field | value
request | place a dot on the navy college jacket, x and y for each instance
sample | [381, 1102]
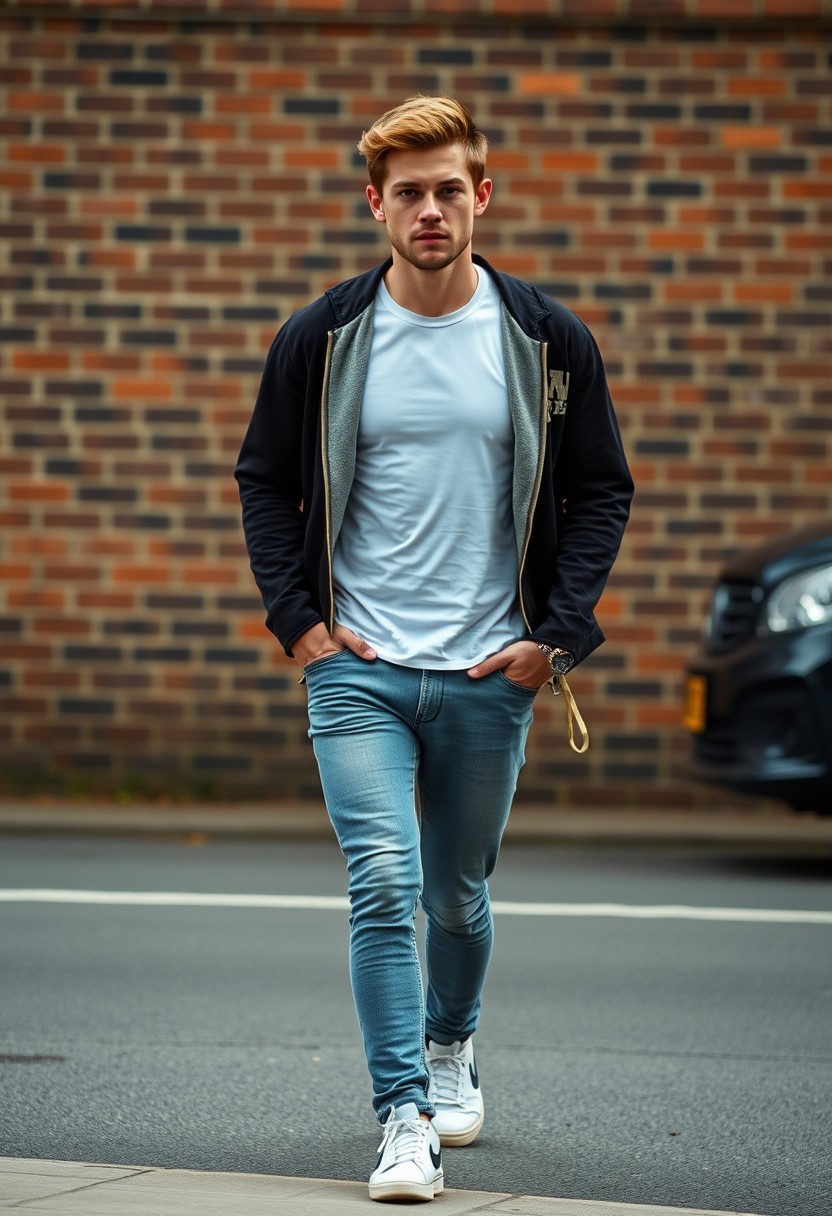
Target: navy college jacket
[571, 487]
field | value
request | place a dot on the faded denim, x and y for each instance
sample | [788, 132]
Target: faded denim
[388, 739]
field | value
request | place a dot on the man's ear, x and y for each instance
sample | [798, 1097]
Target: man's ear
[376, 204]
[482, 194]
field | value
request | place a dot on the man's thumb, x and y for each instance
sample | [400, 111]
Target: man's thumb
[485, 668]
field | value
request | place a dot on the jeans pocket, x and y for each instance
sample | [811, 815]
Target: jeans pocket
[531, 693]
[324, 660]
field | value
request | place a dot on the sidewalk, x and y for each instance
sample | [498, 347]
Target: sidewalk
[765, 826]
[64, 1188]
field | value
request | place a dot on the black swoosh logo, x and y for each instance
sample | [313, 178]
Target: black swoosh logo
[475, 1079]
[436, 1158]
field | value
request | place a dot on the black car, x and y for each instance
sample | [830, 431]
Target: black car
[759, 690]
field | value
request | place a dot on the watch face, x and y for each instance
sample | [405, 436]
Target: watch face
[560, 661]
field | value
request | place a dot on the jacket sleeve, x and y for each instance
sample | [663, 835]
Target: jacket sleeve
[593, 490]
[269, 475]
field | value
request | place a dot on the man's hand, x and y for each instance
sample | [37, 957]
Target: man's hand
[318, 641]
[521, 662]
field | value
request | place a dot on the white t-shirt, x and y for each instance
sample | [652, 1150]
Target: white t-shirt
[425, 566]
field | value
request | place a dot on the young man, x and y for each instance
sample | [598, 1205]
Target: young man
[434, 492]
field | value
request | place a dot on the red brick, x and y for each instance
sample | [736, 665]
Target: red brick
[40, 154]
[148, 398]
[544, 83]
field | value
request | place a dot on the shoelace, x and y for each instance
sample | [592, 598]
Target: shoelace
[447, 1075]
[405, 1138]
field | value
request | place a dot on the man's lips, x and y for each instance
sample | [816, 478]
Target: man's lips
[431, 236]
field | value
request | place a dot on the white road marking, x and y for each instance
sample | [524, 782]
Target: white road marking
[336, 903]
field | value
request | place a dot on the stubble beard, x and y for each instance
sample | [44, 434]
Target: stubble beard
[433, 259]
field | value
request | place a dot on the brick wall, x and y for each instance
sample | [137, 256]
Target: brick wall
[174, 184]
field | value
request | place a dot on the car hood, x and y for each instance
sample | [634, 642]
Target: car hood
[783, 555]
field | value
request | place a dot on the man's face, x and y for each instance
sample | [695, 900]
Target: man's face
[428, 203]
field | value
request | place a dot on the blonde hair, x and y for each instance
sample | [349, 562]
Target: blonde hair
[423, 122]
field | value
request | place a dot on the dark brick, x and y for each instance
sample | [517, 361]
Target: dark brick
[148, 337]
[132, 628]
[257, 738]
[448, 55]
[104, 51]
[652, 111]
[630, 772]
[86, 706]
[74, 388]
[737, 369]
[624, 689]
[777, 164]
[214, 235]
[184, 207]
[107, 493]
[73, 283]
[138, 130]
[162, 654]
[805, 319]
[612, 136]
[176, 602]
[104, 415]
[693, 527]
[138, 76]
[64, 468]
[733, 317]
[261, 312]
[249, 683]
[206, 469]
[175, 105]
[622, 291]
[111, 310]
[311, 105]
[145, 521]
[200, 629]
[164, 417]
[674, 189]
[231, 655]
[727, 111]
[635, 743]
[663, 447]
[91, 654]
[142, 232]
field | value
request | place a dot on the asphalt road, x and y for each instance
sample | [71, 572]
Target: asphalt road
[665, 1061]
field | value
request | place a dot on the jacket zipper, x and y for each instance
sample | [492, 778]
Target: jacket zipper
[544, 407]
[330, 339]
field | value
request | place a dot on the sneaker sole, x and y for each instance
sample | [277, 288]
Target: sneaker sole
[460, 1139]
[390, 1191]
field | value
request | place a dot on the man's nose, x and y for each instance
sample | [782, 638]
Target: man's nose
[430, 208]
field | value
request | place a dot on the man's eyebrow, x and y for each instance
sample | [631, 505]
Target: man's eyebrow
[448, 181]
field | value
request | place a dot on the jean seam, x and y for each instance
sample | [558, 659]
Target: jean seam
[422, 1048]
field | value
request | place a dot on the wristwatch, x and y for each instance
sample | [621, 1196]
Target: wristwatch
[560, 660]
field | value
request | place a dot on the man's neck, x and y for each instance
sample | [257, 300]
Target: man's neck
[432, 293]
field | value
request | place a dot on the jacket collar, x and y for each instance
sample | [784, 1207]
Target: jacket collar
[524, 302]
[351, 297]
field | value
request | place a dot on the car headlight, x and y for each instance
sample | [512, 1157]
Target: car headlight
[801, 601]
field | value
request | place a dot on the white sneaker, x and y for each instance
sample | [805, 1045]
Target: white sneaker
[454, 1090]
[409, 1164]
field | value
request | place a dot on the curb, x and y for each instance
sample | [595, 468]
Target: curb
[528, 824]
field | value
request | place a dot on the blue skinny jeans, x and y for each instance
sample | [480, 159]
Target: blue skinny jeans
[418, 769]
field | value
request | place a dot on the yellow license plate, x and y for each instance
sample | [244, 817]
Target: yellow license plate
[695, 714]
